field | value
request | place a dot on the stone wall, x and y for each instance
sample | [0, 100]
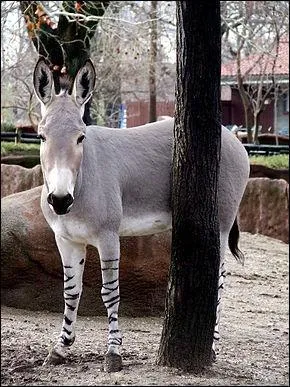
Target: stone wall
[15, 178]
[31, 270]
[265, 208]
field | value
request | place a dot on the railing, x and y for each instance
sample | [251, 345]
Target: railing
[252, 149]
[266, 150]
[23, 137]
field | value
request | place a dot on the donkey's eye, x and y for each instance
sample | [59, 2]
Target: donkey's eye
[41, 137]
[81, 138]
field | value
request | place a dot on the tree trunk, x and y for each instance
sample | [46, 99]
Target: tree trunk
[191, 299]
[276, 114]
[248, 114]
[249, 122]
[256, 126]
[152, 63]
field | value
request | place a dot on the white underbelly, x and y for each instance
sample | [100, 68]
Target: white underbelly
[146, 224]
[80, 232]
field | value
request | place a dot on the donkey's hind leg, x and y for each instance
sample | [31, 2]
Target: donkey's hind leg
[73, 260]
[222, 274]
[108, 245]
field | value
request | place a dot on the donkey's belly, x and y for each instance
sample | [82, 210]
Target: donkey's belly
[145, 224]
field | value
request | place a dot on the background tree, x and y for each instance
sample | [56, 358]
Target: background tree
[17, 62]
[252, 33]
[152, 62]
[191, 298]
[123, 56]
[66, 45]
[119, 48]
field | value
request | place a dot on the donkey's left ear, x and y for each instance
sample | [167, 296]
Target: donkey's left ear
[84, 83]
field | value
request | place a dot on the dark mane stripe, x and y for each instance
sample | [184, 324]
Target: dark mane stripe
[65, 83]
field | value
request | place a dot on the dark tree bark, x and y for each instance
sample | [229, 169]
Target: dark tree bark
[191, 299]
[152, 63]
[67, 45]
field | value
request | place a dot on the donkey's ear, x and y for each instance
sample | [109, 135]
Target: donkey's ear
[43, 82]
[84, 83]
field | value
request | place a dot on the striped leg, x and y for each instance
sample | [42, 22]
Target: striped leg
[73, 260]
[222, 274]
[109, 251]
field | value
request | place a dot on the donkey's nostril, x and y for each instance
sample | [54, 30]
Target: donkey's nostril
[60, 203]
[50, 198]
[68, 199]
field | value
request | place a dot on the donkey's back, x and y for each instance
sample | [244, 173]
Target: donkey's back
[135, 165]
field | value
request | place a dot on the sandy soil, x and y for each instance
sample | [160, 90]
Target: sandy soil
[254, 329]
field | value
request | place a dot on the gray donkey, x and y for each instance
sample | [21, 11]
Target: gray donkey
[102, 183]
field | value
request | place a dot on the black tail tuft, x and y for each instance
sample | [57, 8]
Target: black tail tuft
[233, 243]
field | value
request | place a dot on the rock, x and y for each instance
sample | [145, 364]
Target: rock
[264, 208]
[32, 272]
[31, 269]
[15, 178]
[26, 161]
[258, 170]
[270, 139]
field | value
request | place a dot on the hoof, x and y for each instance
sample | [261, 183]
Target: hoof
[113, 362]
[54, 358]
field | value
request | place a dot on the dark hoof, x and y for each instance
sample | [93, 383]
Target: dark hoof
[113, 362]
[54, 358]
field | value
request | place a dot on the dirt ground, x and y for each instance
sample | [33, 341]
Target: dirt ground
[253, 349]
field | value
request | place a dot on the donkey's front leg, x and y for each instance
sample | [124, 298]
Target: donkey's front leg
[108, 245]
[73, 259]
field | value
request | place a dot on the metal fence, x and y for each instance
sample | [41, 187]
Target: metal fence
[252, 149]
[266, 150]
[30, 138]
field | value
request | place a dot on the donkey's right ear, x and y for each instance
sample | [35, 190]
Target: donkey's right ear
[43, 82]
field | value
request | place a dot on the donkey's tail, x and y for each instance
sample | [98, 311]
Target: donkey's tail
[233, 243]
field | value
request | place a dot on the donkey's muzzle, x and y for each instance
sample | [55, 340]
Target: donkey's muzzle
[60, 204]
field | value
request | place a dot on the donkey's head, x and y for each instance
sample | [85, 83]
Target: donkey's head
[62, 132]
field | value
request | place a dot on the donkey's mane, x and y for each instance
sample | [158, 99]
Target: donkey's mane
[65, 83]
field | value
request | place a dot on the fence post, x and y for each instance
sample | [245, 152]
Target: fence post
[18, 135]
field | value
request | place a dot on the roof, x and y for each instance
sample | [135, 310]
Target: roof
[255, 64]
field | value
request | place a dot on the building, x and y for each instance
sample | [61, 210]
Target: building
[255, 70]
[135, 92]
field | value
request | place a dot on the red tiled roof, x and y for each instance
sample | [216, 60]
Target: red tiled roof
[255, 65]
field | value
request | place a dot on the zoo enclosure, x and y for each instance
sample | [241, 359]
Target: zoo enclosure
[135, 113]
[252, 149]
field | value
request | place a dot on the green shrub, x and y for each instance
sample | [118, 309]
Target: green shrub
[274, 161]
[7, 127]
[10, 148]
